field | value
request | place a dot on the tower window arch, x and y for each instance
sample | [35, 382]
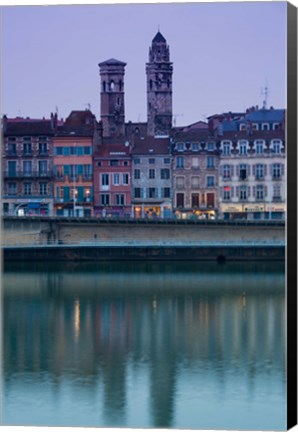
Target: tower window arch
[120, 85]
[150, 84]
[104, 86]
[112, 86]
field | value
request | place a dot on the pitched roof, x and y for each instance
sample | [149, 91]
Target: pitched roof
[192, 135]
[265, 115]
[20, 126]
[78, 123]
[111, 62]
[111, 149]
[158, 38]
[151, 146]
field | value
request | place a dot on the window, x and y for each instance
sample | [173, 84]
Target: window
[27, 188]
[195, 200]
[180, 146]
[265, 126]
[137, 161]
[226, 171]
[275, 126]
[210, 181]
[87, 171]
[151, 161]
[42, 148]
[119, 199]
[43, 188]
[125, 179]
[259, 192]
[180, 162]
[179, 182]
[259, 171]
[210, 146]
[152, 193]
[243, 172]
[210, 161]
[227, 193]
[27, 149]
[165, 173]
[114, 162]
[276, 192]
[166, 160]
[195, 146]
[12, 188]
[195, 162]
[105, 180]
[104, 199]
[12, 168]
[276, 171]
[138, 193]
[243, 193]
[243, 147]
[259, 147]
[42, 168]
[12, 148]
[195, 182]
[125, 163]
[152, 173]
[116, 179]
[59, 151]
[72, 151]
[87, 150]
[27, 168]
[166, 192]
[137, 174]
[276, 147]
[180, 200]
[210, 200]
[226, 148]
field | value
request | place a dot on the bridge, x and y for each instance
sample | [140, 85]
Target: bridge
[41, 238]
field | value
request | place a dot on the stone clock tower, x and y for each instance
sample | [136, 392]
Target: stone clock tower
[159, 71]
[112, 97]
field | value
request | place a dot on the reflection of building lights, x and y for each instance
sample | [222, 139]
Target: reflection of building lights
[77, 318]
[243, 299]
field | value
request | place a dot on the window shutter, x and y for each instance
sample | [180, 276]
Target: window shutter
[91, 193]
[65, 151]
[66, 169]
[248, 169]
[79, 169]
[254, 191]
[237, 191]
[232, 191]
[265, 169]
[265, 191]
[232, 169]
[57, 191]
[221, 170]
[66, 193]
[254, 170]
[80, 150]
[238, 170]
[248, 191]
[271, 169]
[221, 192]
[282, 166]
[80, 193]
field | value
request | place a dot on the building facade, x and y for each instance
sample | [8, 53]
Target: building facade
[252, 172]
[151, 178]
[27, 166]
[112, 178]
[195, 174]
[73, 165]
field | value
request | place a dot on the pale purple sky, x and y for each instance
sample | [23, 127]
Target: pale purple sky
[223, 54]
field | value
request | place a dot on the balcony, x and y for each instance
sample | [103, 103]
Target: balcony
[19, 174]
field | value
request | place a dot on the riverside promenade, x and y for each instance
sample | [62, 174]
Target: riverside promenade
[93, 239]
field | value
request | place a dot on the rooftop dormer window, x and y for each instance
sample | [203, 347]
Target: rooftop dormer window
[242, 147]
[180, 146]
[195, 146]
[210, 146]
[259, 147]
[265, 126]
[226, 148]
[276, 146]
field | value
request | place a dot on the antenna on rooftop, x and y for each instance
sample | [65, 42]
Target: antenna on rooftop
[265, 93]
[56, 110]
[175, 118]
[88, 105]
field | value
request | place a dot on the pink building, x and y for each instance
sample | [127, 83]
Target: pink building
[112, 178]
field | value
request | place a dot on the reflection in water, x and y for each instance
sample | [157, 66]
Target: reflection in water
[145, 345]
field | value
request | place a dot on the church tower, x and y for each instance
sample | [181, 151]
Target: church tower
[112, 97]
[159, 72]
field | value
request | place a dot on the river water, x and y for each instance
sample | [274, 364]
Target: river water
[145, 345]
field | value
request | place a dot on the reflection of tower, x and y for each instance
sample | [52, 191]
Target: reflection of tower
[163, 366]
[112, 97]
[159, 72]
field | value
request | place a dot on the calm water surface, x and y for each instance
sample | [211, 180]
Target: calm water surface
[142, 345]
